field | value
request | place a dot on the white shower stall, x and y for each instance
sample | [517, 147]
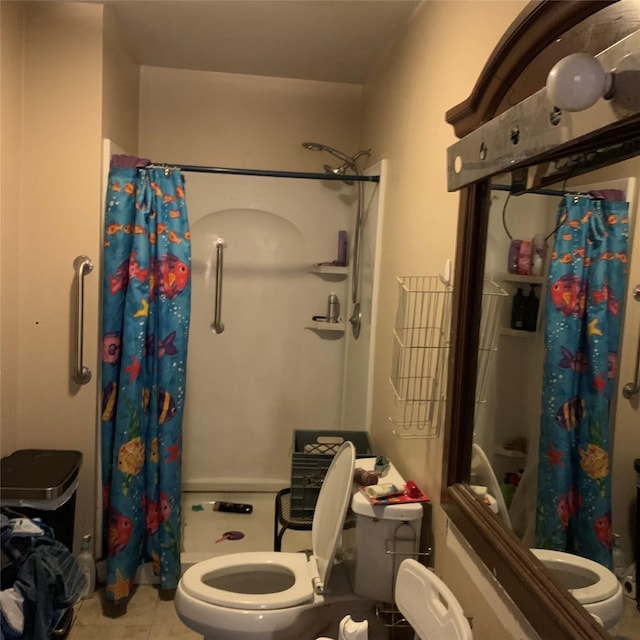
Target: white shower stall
[272, 369]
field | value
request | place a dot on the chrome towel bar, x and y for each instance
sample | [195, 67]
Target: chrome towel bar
[633, 388]
[83, 266]
[217, 326]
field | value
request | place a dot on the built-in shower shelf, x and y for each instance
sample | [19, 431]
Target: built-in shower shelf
[510, 453]
[332, 327]
[330, 270]
[517, 333]
[514, 277]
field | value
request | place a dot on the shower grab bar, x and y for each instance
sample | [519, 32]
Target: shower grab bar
[217, 325]
[83, 266]
[633, 388]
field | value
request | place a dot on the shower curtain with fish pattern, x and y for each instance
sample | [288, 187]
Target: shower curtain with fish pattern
[146, 305]
[584, 308]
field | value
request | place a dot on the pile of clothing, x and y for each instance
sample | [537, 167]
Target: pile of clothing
[41, 579]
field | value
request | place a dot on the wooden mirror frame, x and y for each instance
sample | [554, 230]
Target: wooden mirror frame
[551, 611]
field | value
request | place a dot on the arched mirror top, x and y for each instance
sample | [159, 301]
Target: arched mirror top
[544, 33]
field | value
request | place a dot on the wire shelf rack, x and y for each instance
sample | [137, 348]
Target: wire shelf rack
[420, 352]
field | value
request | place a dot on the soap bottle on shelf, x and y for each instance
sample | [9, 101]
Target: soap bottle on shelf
[88, 567]
[538, 250]
[531, 311]
[333, 308]
[518, 310]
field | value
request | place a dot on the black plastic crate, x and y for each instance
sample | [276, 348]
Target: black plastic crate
[311, 457]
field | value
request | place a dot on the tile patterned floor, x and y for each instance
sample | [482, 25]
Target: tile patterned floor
[628, 628]
[148, 617]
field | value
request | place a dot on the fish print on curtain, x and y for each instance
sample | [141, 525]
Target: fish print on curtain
[146, 306]
[584, 310]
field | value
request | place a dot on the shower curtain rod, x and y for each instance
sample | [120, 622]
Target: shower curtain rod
[265, 173]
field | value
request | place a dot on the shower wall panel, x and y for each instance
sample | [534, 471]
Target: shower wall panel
[266, 374]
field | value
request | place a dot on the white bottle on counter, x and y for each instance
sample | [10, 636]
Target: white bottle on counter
[88, 567]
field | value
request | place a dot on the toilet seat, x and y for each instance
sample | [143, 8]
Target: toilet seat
[280, 580]
[200, 580]
[605, 584]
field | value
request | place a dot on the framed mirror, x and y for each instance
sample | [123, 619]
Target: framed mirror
[545, 33]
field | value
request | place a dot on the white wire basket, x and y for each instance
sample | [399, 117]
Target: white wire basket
[420, 352]
[420, 346]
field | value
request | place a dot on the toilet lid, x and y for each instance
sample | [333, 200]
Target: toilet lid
[331, 510]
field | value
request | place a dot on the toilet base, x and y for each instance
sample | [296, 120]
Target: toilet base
[305, 622]
[310, 627]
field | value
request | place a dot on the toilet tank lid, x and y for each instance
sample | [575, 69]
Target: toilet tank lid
[407, 511]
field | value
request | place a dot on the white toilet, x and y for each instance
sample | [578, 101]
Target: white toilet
[289, 596]
[595, 587]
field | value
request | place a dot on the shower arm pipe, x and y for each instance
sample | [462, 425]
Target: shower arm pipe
[217, 325]
[262, 172]
[357, 249]
[83, 266]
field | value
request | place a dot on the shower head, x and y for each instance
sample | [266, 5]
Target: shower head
[316, 146]
[349, 161]
[341, 170]
[336, 171]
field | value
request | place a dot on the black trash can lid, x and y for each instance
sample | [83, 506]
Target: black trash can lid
[38, 474]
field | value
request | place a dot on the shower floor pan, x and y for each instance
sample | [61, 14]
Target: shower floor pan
[202, 529]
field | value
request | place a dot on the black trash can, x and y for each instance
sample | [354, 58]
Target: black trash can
[42, 483]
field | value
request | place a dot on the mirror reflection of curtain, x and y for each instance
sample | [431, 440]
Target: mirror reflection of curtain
[146, 312]
[585, 297]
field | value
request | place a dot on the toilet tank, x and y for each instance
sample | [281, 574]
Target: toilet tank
[384, 536]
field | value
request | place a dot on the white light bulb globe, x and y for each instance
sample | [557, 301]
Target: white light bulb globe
[577, 82]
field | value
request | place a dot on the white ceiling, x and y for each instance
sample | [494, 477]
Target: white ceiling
[327, 40]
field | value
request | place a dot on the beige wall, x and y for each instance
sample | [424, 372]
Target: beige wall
[11, 59]
[433, 68]
[235, 120]
[55, 110]
[60, 220]
[121, 88]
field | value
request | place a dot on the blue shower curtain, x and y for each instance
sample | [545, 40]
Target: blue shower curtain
[146, 305]
[584, 308]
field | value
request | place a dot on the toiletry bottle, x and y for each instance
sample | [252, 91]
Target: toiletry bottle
[524, 258]
[619, 563]
[518, 310]
[342, 249]
[514, 254]
[531, 311]
[88, 567]
[538, 250]
[364, 477]
[333, 308]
